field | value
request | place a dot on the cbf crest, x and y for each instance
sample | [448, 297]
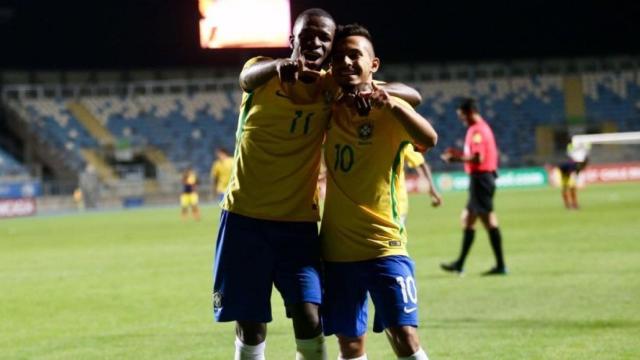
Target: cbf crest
[217, 300]
[365, 131]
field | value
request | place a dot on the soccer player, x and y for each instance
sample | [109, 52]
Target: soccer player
[189, 196]
[480, 158]
[78, 199]
[363, 238]
[414, 160]
[268, 227]
[569, 171]
[220, 173]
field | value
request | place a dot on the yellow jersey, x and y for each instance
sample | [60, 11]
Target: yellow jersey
[364, 157]
[413, 159]
[221, 173]
[189, 182]
[277, 157]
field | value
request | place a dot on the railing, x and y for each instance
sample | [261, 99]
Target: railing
[151, 87]
[227, 79]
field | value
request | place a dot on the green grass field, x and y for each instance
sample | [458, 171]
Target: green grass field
[136, 284]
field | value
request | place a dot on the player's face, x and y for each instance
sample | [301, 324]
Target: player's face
[353, 62]
[311, 40]
[464, 116]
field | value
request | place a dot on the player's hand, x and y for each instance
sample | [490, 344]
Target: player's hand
[349, 98]
[379, 97]
[358, 100]
[451, 154]
[288, 70]
[436, 199]
[446, 156]
[362, 102]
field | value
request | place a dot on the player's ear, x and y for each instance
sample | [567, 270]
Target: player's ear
[291, 39]
[375, 64]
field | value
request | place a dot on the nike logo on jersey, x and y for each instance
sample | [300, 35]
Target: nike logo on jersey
[410, 310]
[279, 93]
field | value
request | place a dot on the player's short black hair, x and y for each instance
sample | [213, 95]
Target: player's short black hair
[354, 29]
[314, 12]
[468, 105]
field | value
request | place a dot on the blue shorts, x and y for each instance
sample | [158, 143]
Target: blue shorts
[389, 280]
[252, 255]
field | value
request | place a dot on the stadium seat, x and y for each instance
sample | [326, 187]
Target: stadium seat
[10, 166]
[189, 126]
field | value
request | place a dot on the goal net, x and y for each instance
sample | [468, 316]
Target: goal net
[612, 156]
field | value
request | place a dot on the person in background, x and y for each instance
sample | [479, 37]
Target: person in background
[221, 173]
[189, 196]
[480, 159]
[78, 199]
[414, 159]
[569, 172]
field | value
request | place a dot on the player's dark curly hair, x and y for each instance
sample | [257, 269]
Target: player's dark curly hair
[315, 12]
[354, 29]
[468, 105]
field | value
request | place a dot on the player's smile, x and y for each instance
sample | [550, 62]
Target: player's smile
[352, 61]
[312, 55]
[313, 41]
[346, 72]
[313, 59]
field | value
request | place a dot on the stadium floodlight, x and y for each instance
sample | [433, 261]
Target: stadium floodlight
[244, 23]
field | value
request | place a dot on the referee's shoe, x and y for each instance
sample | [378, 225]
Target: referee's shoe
[453, 267]
[496, 271]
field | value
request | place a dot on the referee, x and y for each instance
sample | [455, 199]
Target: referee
[480, 158]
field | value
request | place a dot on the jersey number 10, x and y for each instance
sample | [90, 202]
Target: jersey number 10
[344, 157]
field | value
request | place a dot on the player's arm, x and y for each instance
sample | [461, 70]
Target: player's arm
[424, 171]
[257, 74]
[418, 128]
[404, 92]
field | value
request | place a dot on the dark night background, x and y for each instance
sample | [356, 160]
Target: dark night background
[37, 34]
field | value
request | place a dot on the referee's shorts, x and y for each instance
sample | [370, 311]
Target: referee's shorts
[482, 187]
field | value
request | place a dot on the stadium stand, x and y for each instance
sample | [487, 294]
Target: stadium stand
[56, 125]
[184, 127]
[10, 167]
[514, 107]
[613, 97]
[187, 128]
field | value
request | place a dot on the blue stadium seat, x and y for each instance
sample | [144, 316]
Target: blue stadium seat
[10, 166]
[188, 127]
[56, 125]
[513, 107]
[613, 97]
